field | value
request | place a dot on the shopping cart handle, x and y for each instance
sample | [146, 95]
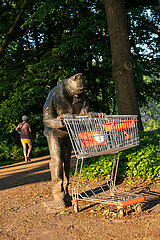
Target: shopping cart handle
[71, 116]
[64, 116]
[87, 115]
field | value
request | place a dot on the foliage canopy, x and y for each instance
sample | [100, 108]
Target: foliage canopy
[56, 39]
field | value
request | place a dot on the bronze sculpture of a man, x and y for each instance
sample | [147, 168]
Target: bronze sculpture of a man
[68, 97]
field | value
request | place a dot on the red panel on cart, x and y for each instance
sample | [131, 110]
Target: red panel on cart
[119, 125]
[90, 139]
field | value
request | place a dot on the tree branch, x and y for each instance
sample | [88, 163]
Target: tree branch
[16, 22]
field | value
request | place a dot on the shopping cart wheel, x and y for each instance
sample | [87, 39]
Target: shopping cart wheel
[138, 208]
[75, 206]
[120, 212]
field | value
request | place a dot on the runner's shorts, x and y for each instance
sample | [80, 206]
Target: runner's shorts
[25, 140]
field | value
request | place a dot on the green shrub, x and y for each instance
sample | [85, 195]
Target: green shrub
[11, 153]
[145, 161]
[39, 152]
[98, 167]
[142, 161]
[151, 124]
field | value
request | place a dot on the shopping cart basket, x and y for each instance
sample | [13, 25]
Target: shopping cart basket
[100, 134]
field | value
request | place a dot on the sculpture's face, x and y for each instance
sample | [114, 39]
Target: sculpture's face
[74, 85]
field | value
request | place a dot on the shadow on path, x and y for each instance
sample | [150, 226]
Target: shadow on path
[152, 196]
[25, 173]
[23, 163]
[37, 170]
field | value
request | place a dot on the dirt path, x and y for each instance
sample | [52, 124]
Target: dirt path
[26, 212]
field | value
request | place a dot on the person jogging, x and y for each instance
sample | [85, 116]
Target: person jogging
[24, 129]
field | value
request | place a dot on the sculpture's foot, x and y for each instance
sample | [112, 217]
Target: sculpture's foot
[60, 204]
[68, 200]
[59, 200]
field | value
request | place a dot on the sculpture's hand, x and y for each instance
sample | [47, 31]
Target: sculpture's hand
[83, 111]
[54, 123]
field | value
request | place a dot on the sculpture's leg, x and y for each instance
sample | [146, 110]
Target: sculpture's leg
[56, 167]
[66, 157]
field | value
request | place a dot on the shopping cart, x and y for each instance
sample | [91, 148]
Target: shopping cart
[100, 134]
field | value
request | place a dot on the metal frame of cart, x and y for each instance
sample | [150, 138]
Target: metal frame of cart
[100, 134]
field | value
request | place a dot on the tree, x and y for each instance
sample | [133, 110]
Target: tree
[122, 66]
[55, 39]
[13, 27]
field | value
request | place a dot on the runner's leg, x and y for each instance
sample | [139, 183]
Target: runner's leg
[29, 148]
[25, 150]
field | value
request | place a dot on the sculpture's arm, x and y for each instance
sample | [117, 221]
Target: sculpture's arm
[50, 115]
[85, 107]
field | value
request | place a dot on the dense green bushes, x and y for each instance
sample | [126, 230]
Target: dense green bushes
[40, 147]
[145, 161]
[142, 161]
[12, 153]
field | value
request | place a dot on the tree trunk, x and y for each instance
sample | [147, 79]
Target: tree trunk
[121, 59]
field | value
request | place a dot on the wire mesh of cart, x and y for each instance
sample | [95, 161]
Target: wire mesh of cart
[100, 134]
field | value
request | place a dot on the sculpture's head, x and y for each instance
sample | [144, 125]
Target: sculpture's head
[74, 85]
